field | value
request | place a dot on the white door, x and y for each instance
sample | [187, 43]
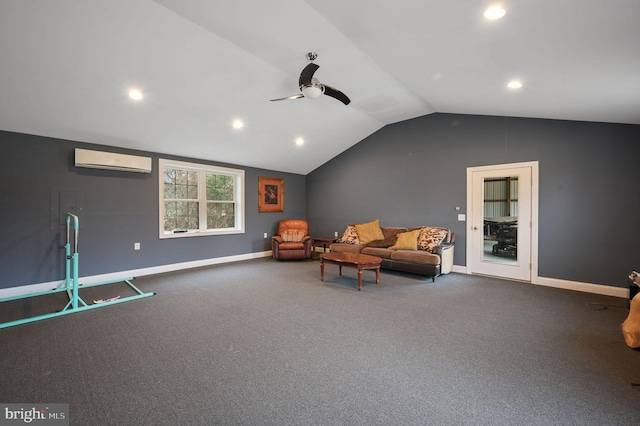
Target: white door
[501, 207]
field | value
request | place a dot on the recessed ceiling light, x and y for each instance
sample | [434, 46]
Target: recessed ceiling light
[299, 141]
[494, 12]
[135, 94]
[514, 85]
[238, 124]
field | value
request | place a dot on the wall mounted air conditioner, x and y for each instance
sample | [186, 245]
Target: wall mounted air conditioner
[112, 161]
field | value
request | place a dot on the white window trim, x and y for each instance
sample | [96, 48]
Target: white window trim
[238, 175]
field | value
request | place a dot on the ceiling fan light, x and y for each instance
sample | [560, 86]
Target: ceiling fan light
[311, 92]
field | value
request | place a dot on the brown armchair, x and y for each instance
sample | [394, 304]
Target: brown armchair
[292, 240]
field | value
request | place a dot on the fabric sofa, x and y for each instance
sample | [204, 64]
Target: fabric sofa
[420, 250]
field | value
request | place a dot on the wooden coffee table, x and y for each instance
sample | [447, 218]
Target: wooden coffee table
[351, 260]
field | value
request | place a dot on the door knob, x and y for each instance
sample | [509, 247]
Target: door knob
[475, 228]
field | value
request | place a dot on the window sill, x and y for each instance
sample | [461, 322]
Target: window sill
[197, 233]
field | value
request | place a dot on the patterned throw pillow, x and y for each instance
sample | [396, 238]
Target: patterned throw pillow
[292, 236]
[430, 238]
[350, 235]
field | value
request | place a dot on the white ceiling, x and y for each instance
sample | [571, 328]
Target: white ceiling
[66, 67]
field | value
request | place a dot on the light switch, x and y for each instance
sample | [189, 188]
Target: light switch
[462, 217]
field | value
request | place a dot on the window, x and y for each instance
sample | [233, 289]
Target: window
[197, 199]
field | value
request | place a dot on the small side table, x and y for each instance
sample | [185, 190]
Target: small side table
[325, 242]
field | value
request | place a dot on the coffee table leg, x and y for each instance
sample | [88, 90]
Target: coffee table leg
[378, 275]
[322, 270]
[340, 269]
[359, 279]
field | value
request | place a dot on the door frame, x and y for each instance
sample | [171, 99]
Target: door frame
[534, 165]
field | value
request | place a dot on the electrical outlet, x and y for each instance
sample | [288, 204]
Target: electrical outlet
[335, 234]
[265, 235]
[136, 246]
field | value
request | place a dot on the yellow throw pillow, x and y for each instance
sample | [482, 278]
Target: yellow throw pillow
[368, 232]
[407, 241]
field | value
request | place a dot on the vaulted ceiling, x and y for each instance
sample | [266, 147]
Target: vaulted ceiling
[66, 68]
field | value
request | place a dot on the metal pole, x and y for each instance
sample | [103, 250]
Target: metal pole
[67, 252]
[74, 299]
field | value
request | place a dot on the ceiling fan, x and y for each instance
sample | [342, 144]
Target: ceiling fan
[311, 86]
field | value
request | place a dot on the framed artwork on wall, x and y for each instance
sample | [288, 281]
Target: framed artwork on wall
[270, 194]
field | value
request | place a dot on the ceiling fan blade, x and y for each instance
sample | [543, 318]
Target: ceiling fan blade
[335, 93]
[307, 74]
[298, 96]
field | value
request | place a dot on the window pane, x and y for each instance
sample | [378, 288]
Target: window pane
[169, 191]
[180, 184]
[220, 215]
[180, 215]
[192, 185]
[169, 175]
[181, 177]
[220, 187]
[170, 183]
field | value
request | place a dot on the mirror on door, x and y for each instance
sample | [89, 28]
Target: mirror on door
[500, 220]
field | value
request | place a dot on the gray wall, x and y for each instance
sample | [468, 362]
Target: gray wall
[118, 209]
[413, 173]
[410, 173]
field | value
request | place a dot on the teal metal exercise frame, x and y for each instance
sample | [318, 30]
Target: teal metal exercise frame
[71, 284]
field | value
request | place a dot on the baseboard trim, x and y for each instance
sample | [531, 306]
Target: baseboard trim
[604, 290]
[6, 293]
[459, 269]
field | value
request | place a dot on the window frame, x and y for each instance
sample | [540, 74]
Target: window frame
[203, 169]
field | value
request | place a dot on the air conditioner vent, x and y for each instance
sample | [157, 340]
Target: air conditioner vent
[109, 160]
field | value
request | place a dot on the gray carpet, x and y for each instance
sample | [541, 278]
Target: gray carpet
[267, 343]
